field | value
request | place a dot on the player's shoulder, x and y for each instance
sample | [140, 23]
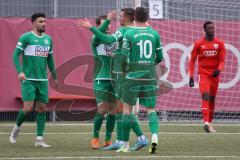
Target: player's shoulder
[199, 41]
[26, 35]
[47, 36]
[216, 39]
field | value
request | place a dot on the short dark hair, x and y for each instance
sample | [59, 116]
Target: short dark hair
[141, 14]
[37, 15]
[129, 12]
[206, 23]
[98, 19]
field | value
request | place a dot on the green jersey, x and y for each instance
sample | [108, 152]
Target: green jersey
[143, 51]
[102, 59]
[115, 37]
[36, 54]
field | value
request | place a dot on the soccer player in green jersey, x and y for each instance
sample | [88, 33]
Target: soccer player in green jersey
[36, 50]
[126, 21]
[103, 85]
[143, 51]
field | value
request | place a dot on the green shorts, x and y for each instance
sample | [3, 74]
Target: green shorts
[146, 91]
[34, 90]
[104, 91]
[118, 84]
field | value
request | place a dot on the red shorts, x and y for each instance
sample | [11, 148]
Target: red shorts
[208, 84]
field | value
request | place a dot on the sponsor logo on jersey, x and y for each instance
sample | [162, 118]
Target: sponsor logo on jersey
[110, 48]
[215, 46]
[203, 46]
[210, 53]
[35, 40]
[41, 51]
[19, 44]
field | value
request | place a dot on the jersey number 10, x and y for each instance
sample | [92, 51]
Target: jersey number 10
[145, 48]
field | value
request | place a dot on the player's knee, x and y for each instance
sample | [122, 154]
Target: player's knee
[102, 111]
[41, 109]
[27, 110]
[149, 110]
[206, 96]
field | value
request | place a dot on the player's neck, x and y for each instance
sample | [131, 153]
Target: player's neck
[140, 24]
[37, 33]
[129, 24]
[209, 38]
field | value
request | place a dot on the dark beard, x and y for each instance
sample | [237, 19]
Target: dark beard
[41, 30]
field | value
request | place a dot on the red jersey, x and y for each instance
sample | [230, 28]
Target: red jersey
[211, 55]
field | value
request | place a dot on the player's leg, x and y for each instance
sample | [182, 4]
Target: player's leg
[117, 85]
[204, 86]
[28, 95]
[40, 107]
[213, 93]
[41, 123]
[110, 123]
[129, 98]
[119, 140]
[148, 99]
[101, 100]
[126, 127]
[111, 114]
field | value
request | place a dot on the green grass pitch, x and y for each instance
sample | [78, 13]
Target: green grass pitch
[72, 141]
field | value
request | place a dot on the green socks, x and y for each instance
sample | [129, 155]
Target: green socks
[153, 122]
[126, 126]
[135, 125]
[98, 119]
[110, 123]
[41, 121]
[119, 119]
[20, 118]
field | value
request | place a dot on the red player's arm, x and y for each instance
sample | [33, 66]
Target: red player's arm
[194, 55]
[222, 55]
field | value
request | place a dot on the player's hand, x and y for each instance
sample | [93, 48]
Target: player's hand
[56, 83]
[21, 76]
[216, 73]
[112, 15]
[191, 82]
[84, 23]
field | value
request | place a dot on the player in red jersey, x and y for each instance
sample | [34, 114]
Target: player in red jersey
[210, 52]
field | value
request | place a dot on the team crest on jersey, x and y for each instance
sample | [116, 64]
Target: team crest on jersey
[215, 46]
[46, 41]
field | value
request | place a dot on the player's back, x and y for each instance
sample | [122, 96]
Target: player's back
[142, 43]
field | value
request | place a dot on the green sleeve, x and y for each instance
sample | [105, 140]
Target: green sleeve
[118, 35]
[103, 27]
[21, 45]
[16, 61]
[159, 53]
[51, 66]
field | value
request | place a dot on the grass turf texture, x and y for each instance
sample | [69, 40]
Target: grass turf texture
[176, 142]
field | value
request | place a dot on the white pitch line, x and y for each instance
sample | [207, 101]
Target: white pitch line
[123, 157]
[88, 133]
[144, 123]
